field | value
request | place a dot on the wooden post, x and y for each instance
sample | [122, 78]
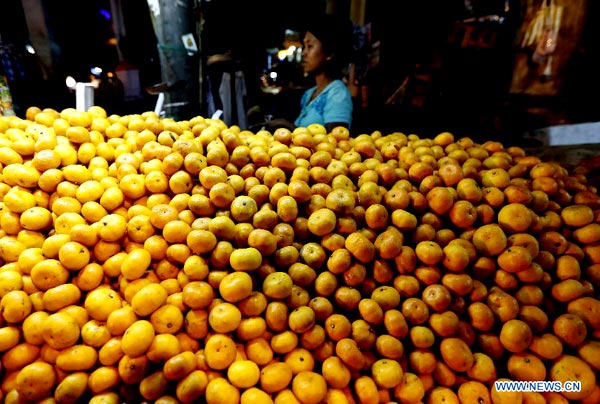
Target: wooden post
[172, 20]
[357, 11]
[38, 33]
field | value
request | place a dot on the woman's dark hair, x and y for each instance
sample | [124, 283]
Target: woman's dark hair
[335, 34]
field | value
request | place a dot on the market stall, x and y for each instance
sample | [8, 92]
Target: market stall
[151, 260]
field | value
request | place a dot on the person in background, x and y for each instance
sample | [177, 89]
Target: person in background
[325, 56]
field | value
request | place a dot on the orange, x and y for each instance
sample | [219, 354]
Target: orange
[137, 338]
[387, 297]
[10, 335]
[254, 327]
[101, 301]
[235, 287]
[301, 319]
[474, 392]
[387, 373]
[483, 369]
[36, 218]
[347, 350]
[411, 389]
[72, 387]
[220, 351]
[546, 346]
[570, 328]
[103, 378]
[481, 316]
[495, 177]
[275, 377]
[167, 319]
[527, 367]
[132, 370]
[180, 365]
[587, 308]
[514, 217]
[136, 263]
[370, 311]
[10, 280]
[77, 358]
[337, 326]
[459, 284]
[366, 390]
[515, 335]
[220, 391]
[577, 215]
[322, 221]
[444, 324]
[567, 267]
[489, 239]
[153, 386]
[35, 381]
[440, 200]
[277, 285]
[588, 352]
[197, 294]
[112, 227]
[299, 359]
[245, 259]
[120, 319]
[395, 323]
[415, 311]
[61, 296]
[60, 330]
[15, 306]
[429, 252]
[515, 259]
[335, 372]
[568, 367]
[73, 255]
[163, 347]
[322, 307]
[421, 337]
[148, 299]
[243, 374]
[463, 214]
[22, 354]
[456, 354]
[518, 193]
[224, 317]
[259, 351]
[309, 387]
[255, 395]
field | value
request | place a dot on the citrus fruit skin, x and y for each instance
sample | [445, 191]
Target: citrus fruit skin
[149, 259]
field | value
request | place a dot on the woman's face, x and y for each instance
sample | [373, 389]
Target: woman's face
[313, 56]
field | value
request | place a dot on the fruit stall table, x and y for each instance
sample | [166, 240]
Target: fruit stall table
[145, 259]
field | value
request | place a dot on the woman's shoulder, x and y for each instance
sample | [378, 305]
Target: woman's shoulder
[337, 89]
[337, 85]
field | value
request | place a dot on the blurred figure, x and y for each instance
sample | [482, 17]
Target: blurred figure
[325, 56]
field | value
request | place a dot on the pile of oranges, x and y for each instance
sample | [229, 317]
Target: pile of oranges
[154, 260]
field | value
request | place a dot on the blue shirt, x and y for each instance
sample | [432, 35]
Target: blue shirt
[334, 104]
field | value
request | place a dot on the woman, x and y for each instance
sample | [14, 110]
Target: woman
[325, 55]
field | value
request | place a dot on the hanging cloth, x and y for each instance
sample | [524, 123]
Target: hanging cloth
[233, 98]
[225, 95]
[240, 98]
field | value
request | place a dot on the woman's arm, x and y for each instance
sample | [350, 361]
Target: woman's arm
[274, 124]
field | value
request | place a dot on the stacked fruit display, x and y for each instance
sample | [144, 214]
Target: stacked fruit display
[147, 259]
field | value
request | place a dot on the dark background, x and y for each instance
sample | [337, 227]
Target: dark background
[448, 87]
